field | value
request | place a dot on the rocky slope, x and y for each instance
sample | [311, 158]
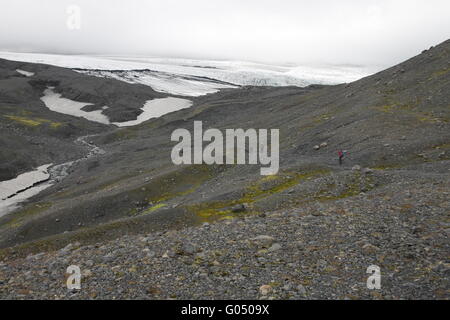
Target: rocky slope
[386, 205]
[318, 251]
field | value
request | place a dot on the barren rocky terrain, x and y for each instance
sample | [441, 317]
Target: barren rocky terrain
[140, 227]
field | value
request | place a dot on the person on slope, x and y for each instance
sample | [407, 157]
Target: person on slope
[341, 156]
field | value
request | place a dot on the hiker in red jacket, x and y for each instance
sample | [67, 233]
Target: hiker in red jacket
[341, 156]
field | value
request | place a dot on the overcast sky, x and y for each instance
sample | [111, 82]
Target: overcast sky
[375, 32]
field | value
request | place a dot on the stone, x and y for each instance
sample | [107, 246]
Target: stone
[69, 247]
[287, 287]
[263, 240]
[187, 248]
[238, 208]
[370, 248]
[301, 289]
[275, 247]
[108, 258]
[265, 289]
[86, 273]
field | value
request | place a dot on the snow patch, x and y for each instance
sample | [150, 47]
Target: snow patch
[19, 189]
[9, 188]
[25, 73]
[56, 103]
[11, 204]
[156, 108]
[152, 108]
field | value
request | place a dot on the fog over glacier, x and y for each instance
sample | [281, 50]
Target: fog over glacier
[369, 32]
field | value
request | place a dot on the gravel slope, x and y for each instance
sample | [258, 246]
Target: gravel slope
[319, 251]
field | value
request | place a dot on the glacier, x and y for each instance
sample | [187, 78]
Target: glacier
[191, 77]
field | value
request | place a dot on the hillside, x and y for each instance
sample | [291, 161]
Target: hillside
[28, 127]
[130, 214]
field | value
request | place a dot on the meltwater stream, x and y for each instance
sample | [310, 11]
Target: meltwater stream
[15, 191]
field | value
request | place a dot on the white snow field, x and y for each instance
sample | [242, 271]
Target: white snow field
[11, 204]
[198, 77]
[56, 103]
[14, 191]
[152, 108]
[156, 108]
[25, 73]
[25, 180]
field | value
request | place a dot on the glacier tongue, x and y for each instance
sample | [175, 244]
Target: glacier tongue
[163, 82]
[188, 77]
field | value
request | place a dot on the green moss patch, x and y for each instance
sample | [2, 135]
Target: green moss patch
[409, 110]
[34, 122]
[19, 217]
[259, 190]
[154, 208]
[182, 182]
